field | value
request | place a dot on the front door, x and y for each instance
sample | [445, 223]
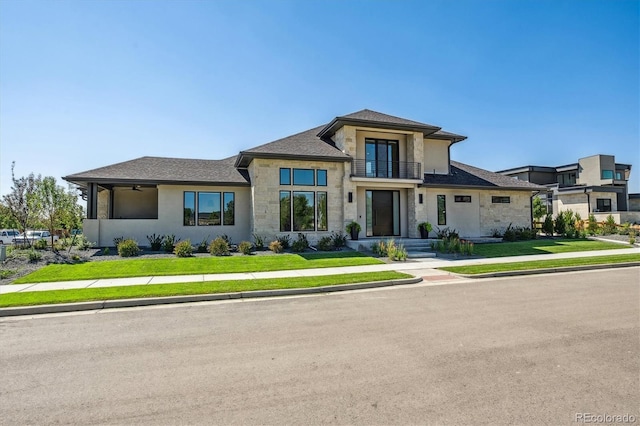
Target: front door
[383, 213]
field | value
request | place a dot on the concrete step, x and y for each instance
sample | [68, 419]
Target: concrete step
[421, 254]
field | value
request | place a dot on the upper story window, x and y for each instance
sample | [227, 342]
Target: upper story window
[382, 158]
[567, 179]
[321, 177]
[619, 176]
[607, 174]
[285, 176]
[303, 177]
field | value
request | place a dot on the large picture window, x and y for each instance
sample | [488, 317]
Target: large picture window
[603, 204]
[189, 208]
[209, 208]
[304, 211]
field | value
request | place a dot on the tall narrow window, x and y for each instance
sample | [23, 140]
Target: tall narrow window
[442, 210]
[304, 211]
[322, 212]
[229, 208]
[209, 212]
[285, 211]
[189, 208]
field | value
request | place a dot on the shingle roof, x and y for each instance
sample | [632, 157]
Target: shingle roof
[168, 170]
[378, 117]
[469, 176]
[375, 119]
[302, 145]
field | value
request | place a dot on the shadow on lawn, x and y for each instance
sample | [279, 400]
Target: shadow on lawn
[331, 255]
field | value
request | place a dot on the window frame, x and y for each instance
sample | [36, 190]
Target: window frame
[601, 207]
[442, 209]
[223, 195]
[462, 198]
[313, 177]
[184, 208]
[500, 199]
[288, 176]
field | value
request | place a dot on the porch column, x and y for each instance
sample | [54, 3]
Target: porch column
[413, 217]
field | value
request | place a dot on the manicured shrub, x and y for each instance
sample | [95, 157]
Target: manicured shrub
[446, 233]
[325, 244]
[183, 249]
[128, 248]
[117, 241]
[40, 244]
[106, 251]
[339, 240]
[258, 241]
[169, 243]
[219, 247]
[275, 246]
[155, 242]
[285, 241]
[84, 244]
[301, 244]
[34, 256]
[592, 227]
[245, 247]
[547, 226]
[560, 227]
[632, 237]
[610, 226]
[203, 246]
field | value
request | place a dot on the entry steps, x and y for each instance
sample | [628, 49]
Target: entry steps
[416, 248]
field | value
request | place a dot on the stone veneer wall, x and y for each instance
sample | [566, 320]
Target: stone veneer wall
[265, 178]
[499, 216]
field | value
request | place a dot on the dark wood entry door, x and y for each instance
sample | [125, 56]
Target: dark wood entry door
[382, 211]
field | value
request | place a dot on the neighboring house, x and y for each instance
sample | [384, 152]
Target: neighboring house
[385, 172]
[594, 185]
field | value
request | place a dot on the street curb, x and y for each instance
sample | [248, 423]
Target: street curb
[128, 303]
[548, 270]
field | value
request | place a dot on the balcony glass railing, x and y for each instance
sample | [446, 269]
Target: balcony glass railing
[386, 169]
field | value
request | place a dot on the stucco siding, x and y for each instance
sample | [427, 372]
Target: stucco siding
[436, 156]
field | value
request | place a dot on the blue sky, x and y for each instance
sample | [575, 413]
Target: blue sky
[85, 84]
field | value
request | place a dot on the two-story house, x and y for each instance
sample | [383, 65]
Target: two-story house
[385, 172]
[594, 185]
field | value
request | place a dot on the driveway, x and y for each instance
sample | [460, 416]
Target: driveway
[529, 350]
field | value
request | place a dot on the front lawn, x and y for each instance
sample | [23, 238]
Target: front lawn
[542, 246]
[207, 287]
[194, 265]
[542, 264]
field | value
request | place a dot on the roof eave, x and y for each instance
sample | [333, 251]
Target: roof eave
[338, 122]
[482, 187]
[245, 158]
[82, 181]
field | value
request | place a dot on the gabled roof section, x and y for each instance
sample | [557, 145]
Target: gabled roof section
[378, 120]
[156, 170]
[302, 146]
[463, 175]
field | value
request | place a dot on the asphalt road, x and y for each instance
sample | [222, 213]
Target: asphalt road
[529, 350]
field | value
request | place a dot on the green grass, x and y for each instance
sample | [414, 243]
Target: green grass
[208, 287]
[542, 246]
[194, 265]
[541, 264]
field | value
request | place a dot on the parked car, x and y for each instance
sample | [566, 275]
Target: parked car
[33, 236]
[7, 235]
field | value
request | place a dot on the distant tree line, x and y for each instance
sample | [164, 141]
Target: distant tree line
[35, 202]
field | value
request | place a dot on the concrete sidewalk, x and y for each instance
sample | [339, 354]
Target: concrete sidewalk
[422, 268]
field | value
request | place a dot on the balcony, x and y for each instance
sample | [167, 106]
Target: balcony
[386, 169]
